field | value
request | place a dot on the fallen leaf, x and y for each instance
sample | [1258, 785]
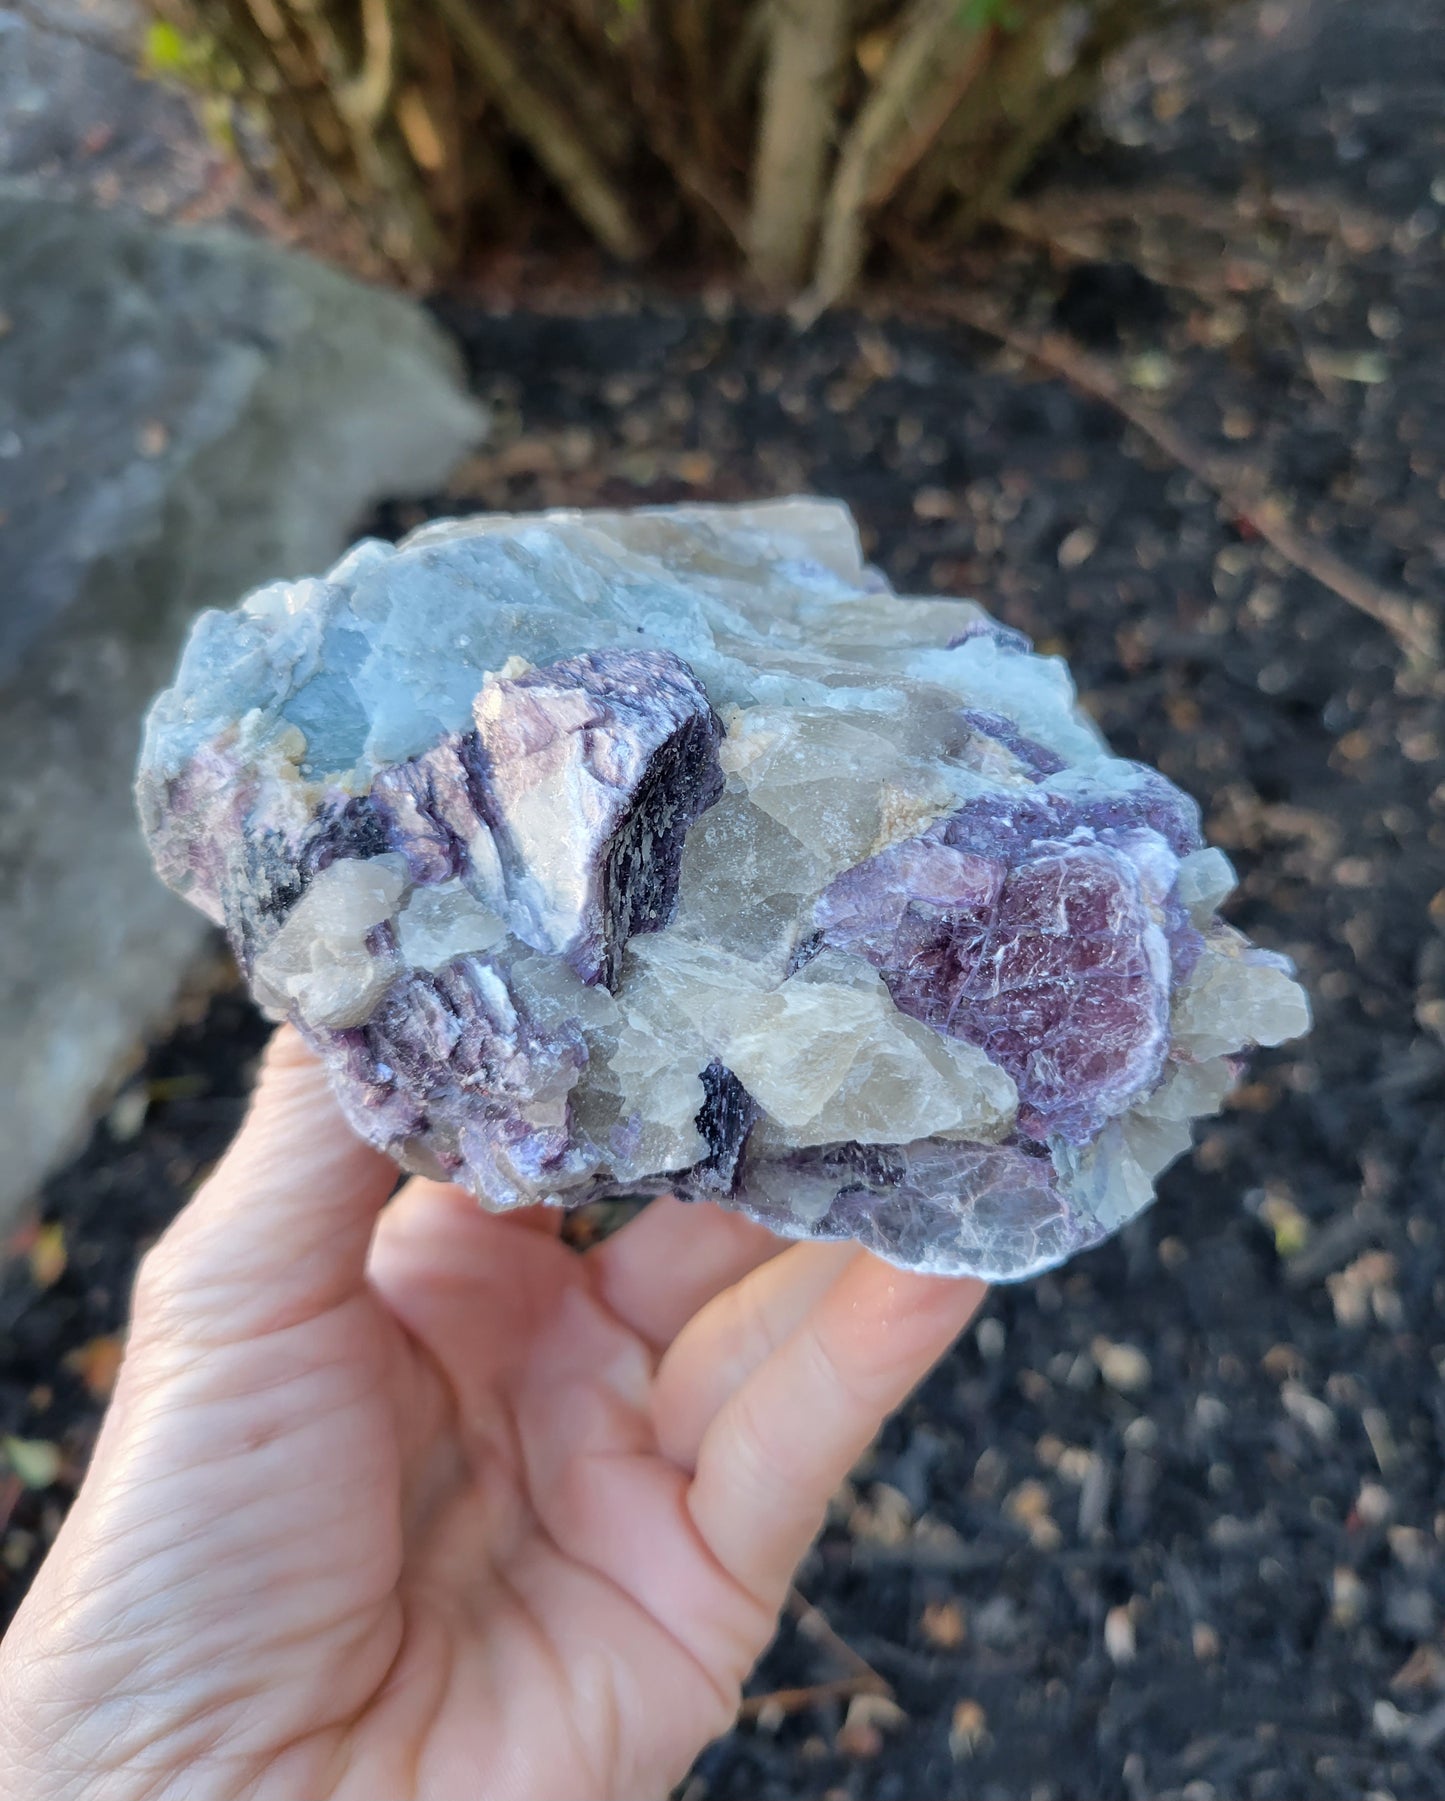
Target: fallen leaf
[1368, 367]
[176, 1088]
[1151, 371]
[1422, 1671]
[97, 1364]
[1291, 1228]
[48, 1256]
[34, 1460]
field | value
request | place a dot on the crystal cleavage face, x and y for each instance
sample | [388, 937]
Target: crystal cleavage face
[671, 851]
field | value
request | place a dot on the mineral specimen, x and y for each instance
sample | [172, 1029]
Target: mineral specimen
[626, 853]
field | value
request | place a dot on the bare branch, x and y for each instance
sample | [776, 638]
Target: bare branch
[937, 52]
[807, 44]
[569, 160]
[364, 99]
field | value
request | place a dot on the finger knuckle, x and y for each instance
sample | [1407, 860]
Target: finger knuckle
[835, 1375]
[159, 1283]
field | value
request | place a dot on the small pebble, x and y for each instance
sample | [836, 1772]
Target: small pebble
[967, 1729]
[1028, 1502]
[885, 1518]
[1119, 1635]
[1348, 1597]
[1315, 1415]
[868, 1718]
[1141, 1434]
[1123, 1366]
[1390, 1722]
[1078, 547]
[127, 1113]
[934, 503]
[1028, 1506]
[1373, 1505]
[943, 1625]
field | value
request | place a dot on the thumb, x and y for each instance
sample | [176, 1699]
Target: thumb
[279, 1232]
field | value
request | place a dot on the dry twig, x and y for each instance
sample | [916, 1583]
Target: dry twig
[1242, 490]
[796, 1700]
[1064, 210]
[861, 1677]
[818, 1630]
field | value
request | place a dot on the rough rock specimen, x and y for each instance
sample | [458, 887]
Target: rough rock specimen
[605, 853]
[183, 414]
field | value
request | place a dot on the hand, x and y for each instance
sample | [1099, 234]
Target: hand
[428, 1504]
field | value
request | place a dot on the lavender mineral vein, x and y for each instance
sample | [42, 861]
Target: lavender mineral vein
[671, 851]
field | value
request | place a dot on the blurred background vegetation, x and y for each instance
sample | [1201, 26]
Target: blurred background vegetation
[796, 138]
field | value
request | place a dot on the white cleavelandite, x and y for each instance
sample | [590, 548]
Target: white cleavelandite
[607, 853]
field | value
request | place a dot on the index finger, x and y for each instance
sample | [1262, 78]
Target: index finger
[279, 1231]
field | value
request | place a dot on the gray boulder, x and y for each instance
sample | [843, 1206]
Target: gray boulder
[182, 415]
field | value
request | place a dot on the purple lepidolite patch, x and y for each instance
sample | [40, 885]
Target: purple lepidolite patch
[1042, 928]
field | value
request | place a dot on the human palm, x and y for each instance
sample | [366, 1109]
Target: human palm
[428, 1504]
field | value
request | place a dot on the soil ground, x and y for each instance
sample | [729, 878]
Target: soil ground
[1171, 1522]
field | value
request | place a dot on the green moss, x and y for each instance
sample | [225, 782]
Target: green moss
[980, 14]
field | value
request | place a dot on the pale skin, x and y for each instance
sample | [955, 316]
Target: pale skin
[397, 1498]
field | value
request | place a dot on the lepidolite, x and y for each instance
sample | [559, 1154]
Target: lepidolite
[671, 851]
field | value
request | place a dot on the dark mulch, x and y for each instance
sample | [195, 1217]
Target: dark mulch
[1169, 1523]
